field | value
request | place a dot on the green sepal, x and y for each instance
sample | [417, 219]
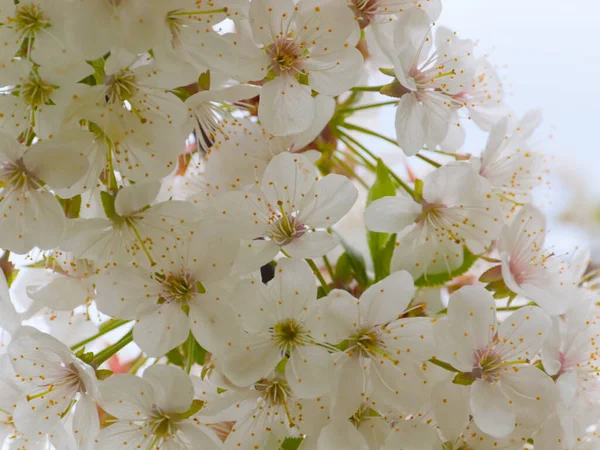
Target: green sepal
[71, 206]
[204, 81]
[464, 379]
[197, 405]
[418, 190]
[174, 357]
[291, 443]
[103, 374]
[108, 203]
[389, 71]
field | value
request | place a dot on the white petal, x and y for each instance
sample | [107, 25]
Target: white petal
[324, 109]
[59, 167]
[334, 73]
[253, 254]
[9, 318]
[213, 322]
[533, 394]
[307, 369]
[135, 197]
[312, 244]
[411, 435]
[328, 201]
[63, 293]
[522, 333]
[491, 409]
[286, 106]
[341, 434]
[173, 389]
[451, 408]
[85, 421]
[391, 214]
[255, 359]
[387, 299]
[267, 18]
[294, 288]
[127, 397]
[350, 386]
[411, 132]
[162, 330]
[288, 179]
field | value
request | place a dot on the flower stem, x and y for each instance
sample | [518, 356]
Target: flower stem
[399, 180]
[318, 274]
[349, 169]
[328, 266]
[106, 327]
[372, 105]
[350, 126]
[112, 350]
[198, 13]
[367, 88]
[427, 160]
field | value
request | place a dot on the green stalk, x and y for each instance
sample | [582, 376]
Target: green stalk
[367, 88]
[106, 327]
[427, 160]
[112, 350]
[318, 274]
[370, 106]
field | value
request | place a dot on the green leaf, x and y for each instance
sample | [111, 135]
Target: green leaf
[357, 263]
[291, 444]
[174, 357]
[464, 379]
[440, 279]
[343, 268]
[384, 185]
[108, 203]
[379, 243]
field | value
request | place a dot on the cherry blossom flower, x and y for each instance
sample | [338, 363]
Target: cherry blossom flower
[509, 163]
[530, 270]
[495, 358]
[382, 348]
[368, 11]
[279, 320]
[181, 296]
[289, 212]
[428, 81]
[56, 383]
[30, 215]
[227, 169]
[304, 47]
[433, 233]
[156, 411]
[132, 231]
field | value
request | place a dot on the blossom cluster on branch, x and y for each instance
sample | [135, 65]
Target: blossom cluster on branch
[177, 183]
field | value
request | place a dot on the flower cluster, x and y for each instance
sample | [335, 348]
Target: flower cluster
[177, 183]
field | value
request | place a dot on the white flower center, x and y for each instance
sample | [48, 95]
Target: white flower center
[284, 54]
[29, 19]
[286, 228]
[487, 365]
[178, 287]
[121, 86]
[287, 334]
[15, 176]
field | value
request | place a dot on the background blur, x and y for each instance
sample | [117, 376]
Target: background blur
[548, 57]
[546, 54]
